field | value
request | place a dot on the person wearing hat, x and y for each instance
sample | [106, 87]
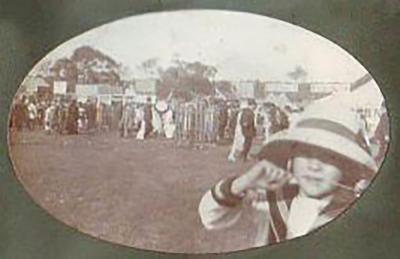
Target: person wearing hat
[148, 117]
[72, 118]
[127, 120]
[222, 120]
[244, 132]
[32, 113]
[49, 117]
[247, 122]
[304, 177]
[238, 136]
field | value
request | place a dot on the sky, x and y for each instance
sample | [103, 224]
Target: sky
[241, 46]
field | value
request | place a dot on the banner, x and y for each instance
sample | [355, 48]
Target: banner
[60, 87]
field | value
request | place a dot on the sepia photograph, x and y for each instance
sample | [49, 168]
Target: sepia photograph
[197, 131]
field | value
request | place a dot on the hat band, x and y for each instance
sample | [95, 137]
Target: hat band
[335, 128]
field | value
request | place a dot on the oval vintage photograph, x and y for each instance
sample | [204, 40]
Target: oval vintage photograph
[197, 131]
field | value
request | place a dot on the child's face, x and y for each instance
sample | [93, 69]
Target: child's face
[315, 177]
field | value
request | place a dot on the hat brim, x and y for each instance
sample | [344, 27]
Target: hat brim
[161, 106]
[347, 155]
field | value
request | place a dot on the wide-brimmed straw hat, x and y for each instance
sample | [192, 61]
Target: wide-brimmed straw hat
[325, 131]
[161, 106]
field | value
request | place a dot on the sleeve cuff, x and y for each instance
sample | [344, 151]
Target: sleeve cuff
[223, 195]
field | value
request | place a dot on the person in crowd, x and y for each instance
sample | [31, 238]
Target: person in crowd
[127, 120]
[116, 114]
[279, 120]
[99, 115]
[179, 118]
[72, 118]
[222, 120]
[139, 120]
[304, 177]
[138, 116]
[49, 118]
[41, 110]
[19, 114]
[199, 126]
[107, 117]
[247, 123]
[169, 124]
[266, 114]
[62, 114]
[238, 137]
[190, 123]
[91, 114]
[82, 118]
[210, 123]
[233, 112]
[148, 117]
[32, 114]
[157, 122]
[55, 122]
[244, 131]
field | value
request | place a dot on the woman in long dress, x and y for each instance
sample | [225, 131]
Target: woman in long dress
[139, 119]
[169, 125]
[157, 122]
[127, 120]
[49, 118]
[238, 140]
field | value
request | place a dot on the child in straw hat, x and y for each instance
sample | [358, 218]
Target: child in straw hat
[307, 173]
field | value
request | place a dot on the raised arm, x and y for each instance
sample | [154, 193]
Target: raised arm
[222, 206]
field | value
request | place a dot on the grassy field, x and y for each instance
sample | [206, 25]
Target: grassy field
[143, 194]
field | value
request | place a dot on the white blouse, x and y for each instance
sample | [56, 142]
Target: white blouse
[303, 214]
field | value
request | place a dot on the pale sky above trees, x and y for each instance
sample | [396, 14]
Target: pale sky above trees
[240, 45]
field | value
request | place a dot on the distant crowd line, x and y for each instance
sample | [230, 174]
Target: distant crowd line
[201, 120]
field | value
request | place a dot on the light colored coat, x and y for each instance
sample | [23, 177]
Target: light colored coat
[273, 214]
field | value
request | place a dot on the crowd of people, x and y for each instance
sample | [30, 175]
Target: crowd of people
[60, 116]
[201, 120]
[69, 116]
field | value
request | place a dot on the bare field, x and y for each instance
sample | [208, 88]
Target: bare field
[142, 194]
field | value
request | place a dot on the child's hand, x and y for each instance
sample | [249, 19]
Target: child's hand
[252, 196]
[263, 175]
[269, 176]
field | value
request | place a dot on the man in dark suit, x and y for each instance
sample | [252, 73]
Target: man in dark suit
[72, 118]
[148, 118]
[247, 122]
[223, 120]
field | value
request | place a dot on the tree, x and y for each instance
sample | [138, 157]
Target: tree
[226, 88]
[95, 67]
[224, 85]
[87, 66]
[299, 73]
[149, 67]
[64, 70]
[187, 79]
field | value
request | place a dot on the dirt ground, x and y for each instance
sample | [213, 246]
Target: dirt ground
[143, 194]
